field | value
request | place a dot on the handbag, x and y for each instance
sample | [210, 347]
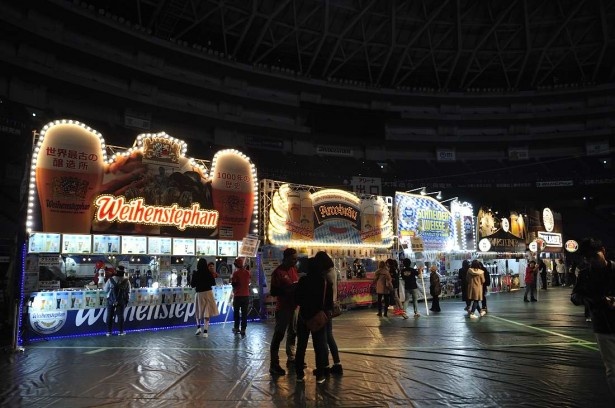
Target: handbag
[320, 319]
[317, 322]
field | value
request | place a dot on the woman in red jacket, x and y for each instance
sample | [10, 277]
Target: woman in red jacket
[530, 281]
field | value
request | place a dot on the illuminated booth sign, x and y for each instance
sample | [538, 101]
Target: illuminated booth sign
[327, 217]
[546, 225]
[424, 218]
[151, 188]
[500, 234]
[465, 231]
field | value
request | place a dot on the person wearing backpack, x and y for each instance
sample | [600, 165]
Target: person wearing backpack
[117, 289]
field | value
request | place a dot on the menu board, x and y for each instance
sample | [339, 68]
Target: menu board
[206, 247]
[248, 246]
[106, 244]
[183, 246]
[76, 244]
[134, 244]
[158, 246]
[43, 242]
[227, 248]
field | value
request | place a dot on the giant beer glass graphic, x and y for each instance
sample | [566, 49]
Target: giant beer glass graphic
[233, 194]
[371, 220]
[69, 170]
[300, 215]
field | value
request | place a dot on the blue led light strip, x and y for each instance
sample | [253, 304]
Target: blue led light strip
[22, 279]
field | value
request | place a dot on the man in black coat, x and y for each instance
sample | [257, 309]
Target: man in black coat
[595, 287]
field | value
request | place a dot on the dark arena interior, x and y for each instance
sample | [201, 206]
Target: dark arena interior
[507, 105]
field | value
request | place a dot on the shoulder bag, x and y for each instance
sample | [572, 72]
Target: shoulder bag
[320, 319]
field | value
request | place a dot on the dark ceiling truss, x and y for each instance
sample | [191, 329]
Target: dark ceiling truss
[440, 44]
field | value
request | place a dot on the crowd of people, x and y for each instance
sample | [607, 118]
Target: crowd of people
[303, 300]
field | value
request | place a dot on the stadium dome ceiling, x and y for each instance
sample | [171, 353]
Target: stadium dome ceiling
[439, 44]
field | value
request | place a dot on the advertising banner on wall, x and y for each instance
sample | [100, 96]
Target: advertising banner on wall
[301, 217]
[74, 313]
[495, 233]
[151, 188]
[426, 218]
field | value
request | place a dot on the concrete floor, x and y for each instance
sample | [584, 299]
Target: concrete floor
[521, 354]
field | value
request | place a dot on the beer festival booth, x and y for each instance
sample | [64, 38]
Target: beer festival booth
[355, 230]
[150, 208]
[502, 245]
[545, 238]
[428, 233]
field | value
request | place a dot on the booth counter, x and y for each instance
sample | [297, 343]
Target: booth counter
[73, 312]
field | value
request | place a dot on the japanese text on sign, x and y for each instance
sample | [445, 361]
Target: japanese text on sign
[233, 181]
[70, 159]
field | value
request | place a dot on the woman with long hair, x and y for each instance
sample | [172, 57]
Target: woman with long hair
[204, 302]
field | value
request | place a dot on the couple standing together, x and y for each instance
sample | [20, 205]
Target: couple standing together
[297, 301]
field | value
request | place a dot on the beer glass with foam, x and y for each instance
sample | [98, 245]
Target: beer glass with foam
[69, 170]
[233, 194]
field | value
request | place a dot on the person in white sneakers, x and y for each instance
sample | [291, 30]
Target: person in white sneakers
[204, 303]
[475, 278]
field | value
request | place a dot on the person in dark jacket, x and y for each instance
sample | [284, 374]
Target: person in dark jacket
[205, 306]
[435, 289]
[115, 307]
[595, 287]
[542, 270]
[485, 287]
[411, 288]
[313, 294]
[463, 278]
[325, 264]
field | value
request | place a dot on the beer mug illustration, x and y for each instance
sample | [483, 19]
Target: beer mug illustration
[371, 219]
[307, 216]
[233, 194]
[294, 214]
[69, 170]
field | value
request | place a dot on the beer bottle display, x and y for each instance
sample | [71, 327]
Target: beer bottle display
[233, 194]
[69, 170]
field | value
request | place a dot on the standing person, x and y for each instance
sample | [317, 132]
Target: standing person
[313, 295]
[211, 267]
[486, 285]
[572, 274]
[559, 272]
[325, 264]
[530, 281]
[240, 280]
[117, 289]
[463, 278]
[409, 276]
[384, 284]
[476, 279]
[205, 306]
[542, 270]
[434, 288]
[394, 296]
[283, 284]
[595, 287]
